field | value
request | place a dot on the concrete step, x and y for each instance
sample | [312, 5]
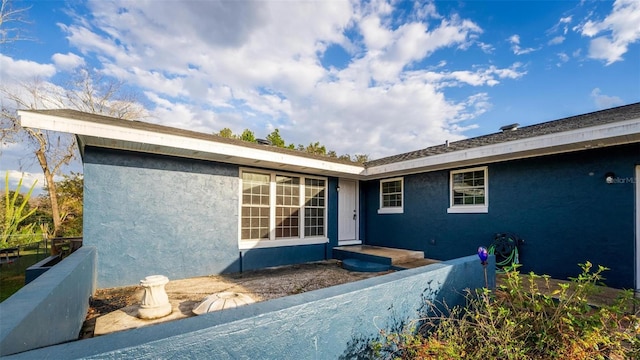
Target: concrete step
[382, 255]
[416, 263]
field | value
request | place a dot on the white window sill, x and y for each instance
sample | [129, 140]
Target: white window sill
[397, 210]
[261, 244]
[468, 210]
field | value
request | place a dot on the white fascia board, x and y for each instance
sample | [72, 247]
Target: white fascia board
[622, 132]
[121, 133]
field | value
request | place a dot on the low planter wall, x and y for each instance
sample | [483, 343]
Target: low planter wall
[50, 309]
[331, 323]
[40, 268]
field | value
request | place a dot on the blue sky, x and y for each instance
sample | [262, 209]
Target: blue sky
[372, 77]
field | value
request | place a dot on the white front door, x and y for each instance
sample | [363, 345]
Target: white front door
[348, 212]
[637, 180]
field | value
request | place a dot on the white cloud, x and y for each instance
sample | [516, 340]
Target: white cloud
[486, 48]
[516, 48]
[556, 40]
[562, 59]
[621, 29]
[380, 121]
[67, 61]
[604, 101]
[23, 70]
[603, 49]
[426, 10]
[28, 179]
[258, 65]
[480, 77]
[561, 26]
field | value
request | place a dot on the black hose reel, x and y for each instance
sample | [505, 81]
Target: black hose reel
[505, 249]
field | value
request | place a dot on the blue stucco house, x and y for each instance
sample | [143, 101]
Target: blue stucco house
[160, 200]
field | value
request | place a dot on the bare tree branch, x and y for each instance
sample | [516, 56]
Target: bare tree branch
[8, 17]
[89, 92]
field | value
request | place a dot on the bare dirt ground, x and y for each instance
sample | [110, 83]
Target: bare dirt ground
[260, 285]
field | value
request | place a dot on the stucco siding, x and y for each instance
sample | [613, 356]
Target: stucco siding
[560, 205]
[149, 214]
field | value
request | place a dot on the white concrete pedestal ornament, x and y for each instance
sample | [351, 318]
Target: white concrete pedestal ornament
[155, 302]
[221, 301]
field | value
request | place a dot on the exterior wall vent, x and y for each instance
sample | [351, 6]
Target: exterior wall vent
[510, 127]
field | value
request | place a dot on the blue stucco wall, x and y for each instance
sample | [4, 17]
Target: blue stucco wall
[150, 214]
[560, 205]
[50, 309]
[332, 323]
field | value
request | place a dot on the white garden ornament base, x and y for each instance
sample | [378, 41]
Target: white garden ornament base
[221, 301]
[155, 302]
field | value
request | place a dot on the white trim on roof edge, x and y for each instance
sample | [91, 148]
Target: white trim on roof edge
[616, 133]
[235, 153]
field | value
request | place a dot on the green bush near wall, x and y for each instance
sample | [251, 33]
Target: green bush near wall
[527, 318]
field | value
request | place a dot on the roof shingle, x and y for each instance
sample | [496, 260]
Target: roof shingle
[621, 113]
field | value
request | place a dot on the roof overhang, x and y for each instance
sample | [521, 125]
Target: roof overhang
[618, 133]
[122, 137]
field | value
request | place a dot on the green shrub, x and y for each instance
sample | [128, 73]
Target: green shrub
[13, 230]
[525, 318]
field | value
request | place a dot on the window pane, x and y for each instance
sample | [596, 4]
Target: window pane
[468, 188]
[255, 206]
[287, 206]
[314, 207]
[392, 193]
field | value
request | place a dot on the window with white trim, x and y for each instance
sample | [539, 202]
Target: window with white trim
[255, 206]
[469, 191]
[314, 207]
[279, 206]
[391, 196]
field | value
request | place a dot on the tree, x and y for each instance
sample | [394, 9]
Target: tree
[226, 133]
[275, 139]
[70, 193]
[361, 158]
[247, 135]
[316, 148]
[89, 92]
[9, 15]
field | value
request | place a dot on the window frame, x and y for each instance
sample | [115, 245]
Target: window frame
[272, 241]
[391, 209]
[469, 209]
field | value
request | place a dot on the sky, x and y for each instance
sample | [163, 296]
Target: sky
[361, 77]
